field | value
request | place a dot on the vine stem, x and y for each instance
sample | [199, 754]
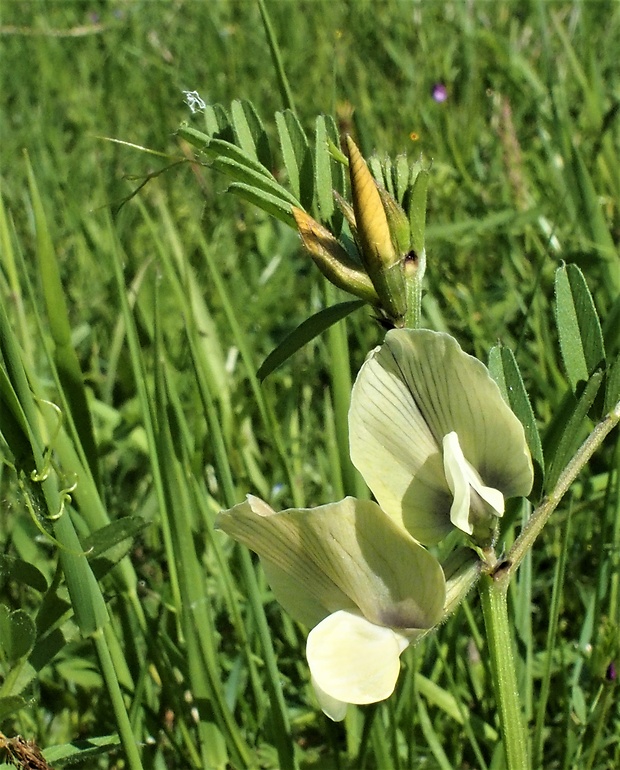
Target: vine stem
[541, 515]
[493, 594]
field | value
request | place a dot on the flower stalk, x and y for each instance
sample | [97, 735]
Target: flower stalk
[493, 594]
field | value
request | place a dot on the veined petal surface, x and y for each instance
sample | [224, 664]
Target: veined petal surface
[341, 556]
[410, 393]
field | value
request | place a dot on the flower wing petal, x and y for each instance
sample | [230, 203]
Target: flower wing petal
[339, 556]
[352, 660]
[301, 587]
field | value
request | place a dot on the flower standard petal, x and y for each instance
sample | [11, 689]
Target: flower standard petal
[396, 452]
[352, 660]
[455, 392]
[410, 393]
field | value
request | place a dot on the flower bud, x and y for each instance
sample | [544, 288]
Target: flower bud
[380, 256]
[332, 259]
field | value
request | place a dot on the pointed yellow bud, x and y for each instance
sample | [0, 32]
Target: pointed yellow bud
[383, 263]
[332, 259]
[372, 224]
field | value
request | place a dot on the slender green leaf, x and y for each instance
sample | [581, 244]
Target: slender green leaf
[13, 568]
[217, 122]
[273, 205]
[417, 209]
[400, 172]
[572, 433]
[612, 386]
[17, 634]
[247, 176]
[297, 157]
[78, 751]
[338, 173]
[107, 546]
[322, 171]
[244, 135]
[215, 148]
[305, 160]
[304, 333]
[250, 132]
[376, 168]
[581, 338]
[505, 372]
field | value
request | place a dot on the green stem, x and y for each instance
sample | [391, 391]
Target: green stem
[541, 515]
[493, 594]
[127, 736]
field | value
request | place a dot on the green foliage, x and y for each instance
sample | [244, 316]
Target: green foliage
[145, 333]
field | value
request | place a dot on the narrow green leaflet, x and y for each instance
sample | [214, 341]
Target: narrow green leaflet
[376, 169]
[323, 172]
[416, 207]
[581, 338]
[17, 634]
[297, 156]
[306, 332]
[612, 388]
[250, 132]
[215, 148]
[78, 751]
[217, 123]
[292, 152]
[108, 545]
[22, 572]
[572, 434]
[242, 173]
[338, 172]
[504, 370]
[400, 173]
[270, 203]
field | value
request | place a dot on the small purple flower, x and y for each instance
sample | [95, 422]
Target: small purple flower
[611, 672]
[439, 93]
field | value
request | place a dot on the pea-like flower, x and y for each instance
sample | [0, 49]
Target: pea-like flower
[434, 439]
[354, 576]
[439, 448]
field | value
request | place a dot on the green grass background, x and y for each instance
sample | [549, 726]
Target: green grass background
[175, 298]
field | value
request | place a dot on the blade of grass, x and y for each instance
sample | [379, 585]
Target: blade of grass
[285, 90]
[65, 357]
